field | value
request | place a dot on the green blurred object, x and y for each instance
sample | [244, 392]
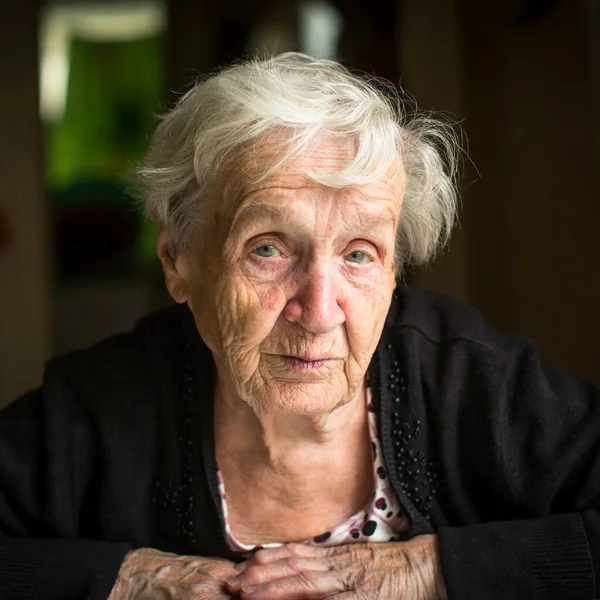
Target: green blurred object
[115, 91]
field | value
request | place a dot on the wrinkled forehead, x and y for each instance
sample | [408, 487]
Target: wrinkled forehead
[266, 164]
[268, 158]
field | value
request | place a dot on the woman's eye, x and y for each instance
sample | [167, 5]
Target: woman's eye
[358, 257]
[267, 251]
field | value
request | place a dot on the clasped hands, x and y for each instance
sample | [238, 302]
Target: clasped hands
[387, 571]
[407, 571]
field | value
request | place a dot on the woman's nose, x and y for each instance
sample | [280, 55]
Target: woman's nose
[316, 304]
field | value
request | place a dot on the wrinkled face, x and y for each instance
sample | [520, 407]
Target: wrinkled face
[291, 283]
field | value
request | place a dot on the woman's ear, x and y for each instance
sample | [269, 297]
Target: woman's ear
[175, 268]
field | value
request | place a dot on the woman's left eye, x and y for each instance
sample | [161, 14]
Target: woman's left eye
[267, 251]
[358, 257]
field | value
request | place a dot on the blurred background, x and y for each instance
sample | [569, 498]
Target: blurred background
[81, 83]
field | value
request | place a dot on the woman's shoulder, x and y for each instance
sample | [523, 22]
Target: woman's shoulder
[448, 342]
[158, 331]
[126, 370]
[442, 321]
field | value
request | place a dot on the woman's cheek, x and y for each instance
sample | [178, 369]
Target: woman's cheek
[256, 308]
[366, 307]
[266, 281]
[371, 285]
[273, 301]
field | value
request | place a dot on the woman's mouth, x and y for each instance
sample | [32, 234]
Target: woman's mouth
[305, 365]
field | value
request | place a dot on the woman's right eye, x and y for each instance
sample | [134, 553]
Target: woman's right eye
[267, 251]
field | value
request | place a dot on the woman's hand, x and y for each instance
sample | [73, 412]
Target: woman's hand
[152, 575]
[397, 570]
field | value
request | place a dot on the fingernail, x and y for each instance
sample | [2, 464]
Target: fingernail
[233, 581]
[248, 589]
[241, 566]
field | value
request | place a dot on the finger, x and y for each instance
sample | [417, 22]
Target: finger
[336, 557]
[308, 585]
[345, 548]
[269, 555]
[280, 569]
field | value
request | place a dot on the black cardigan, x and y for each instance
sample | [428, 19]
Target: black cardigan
[494, 451]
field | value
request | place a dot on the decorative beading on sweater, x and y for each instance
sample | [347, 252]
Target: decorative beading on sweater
[179, 497]
[419, 478]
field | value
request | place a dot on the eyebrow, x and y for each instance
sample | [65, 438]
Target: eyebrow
[260, 210]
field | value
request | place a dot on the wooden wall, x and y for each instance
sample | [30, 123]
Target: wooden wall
[430, 54]
[529, 253]
[24, 262]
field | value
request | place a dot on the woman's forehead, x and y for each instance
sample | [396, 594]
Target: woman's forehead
[344, 213]
[246, 182]
[304, 170]
[315, 206]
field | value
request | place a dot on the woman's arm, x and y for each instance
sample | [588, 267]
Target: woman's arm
[546, 425]
[40, 450]
[52, 568]
[547, 558]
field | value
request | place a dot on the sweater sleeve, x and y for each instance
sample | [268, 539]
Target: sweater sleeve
[547, 558]
[46, 453]
[547, 427]
[52, 568]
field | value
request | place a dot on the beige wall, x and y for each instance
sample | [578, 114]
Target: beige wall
[24, 263]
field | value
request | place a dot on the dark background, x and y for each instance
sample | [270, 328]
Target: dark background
[522, 77]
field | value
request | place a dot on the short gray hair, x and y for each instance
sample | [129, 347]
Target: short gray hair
[304, 97]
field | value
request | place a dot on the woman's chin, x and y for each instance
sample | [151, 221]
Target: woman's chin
[303, 398]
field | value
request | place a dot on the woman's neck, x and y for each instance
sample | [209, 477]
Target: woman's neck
[285, 443]
[291, 477]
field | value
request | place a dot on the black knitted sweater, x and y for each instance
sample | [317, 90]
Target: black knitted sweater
[485, 445]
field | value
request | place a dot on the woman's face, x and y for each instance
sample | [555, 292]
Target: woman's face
[291, 283]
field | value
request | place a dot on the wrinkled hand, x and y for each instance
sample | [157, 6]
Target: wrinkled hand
[148, 574]
[389, 571]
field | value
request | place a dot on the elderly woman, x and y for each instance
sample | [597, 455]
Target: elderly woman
[301, 426]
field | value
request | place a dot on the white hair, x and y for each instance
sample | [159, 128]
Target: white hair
[232, 110]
